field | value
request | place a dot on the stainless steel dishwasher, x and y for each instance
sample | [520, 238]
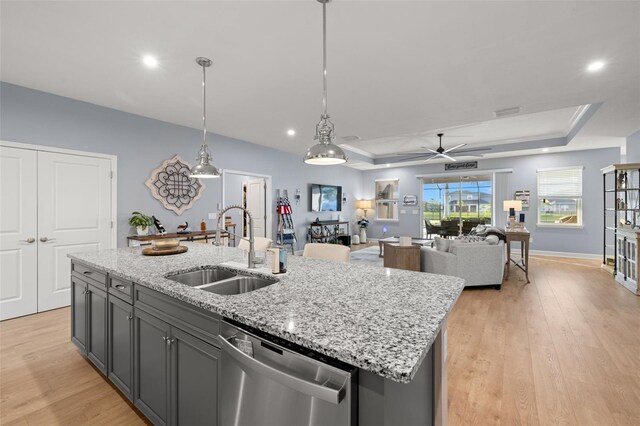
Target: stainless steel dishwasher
[269, 381]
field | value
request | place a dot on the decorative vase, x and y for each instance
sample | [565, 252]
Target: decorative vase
[355, 239]
[142, 230]
[363, 235]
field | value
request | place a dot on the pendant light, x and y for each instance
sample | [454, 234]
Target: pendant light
[203, 169]
[324, 153]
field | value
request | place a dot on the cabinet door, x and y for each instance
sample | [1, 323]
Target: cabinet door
[79, 314]
[194, 380]
[120, 344]
[151, 367]
[97, 327]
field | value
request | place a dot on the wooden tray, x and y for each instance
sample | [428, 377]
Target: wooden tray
[164, 252]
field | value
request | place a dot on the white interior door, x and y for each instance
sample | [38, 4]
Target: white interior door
[74, 214]
[256, 199]
[18, 232]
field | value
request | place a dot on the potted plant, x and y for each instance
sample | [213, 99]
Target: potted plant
[363, 224]
[141, 222]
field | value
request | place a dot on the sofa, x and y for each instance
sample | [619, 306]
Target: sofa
[478, 263]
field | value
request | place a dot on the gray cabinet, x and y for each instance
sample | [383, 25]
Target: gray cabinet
[89, 314]
[97, 327]
[176, 374]
[151, 367]
[89, 321]
[158, 351]
[120, 345]
[79, 314]
[194, 380]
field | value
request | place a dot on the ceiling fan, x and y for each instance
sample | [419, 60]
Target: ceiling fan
[440, 152]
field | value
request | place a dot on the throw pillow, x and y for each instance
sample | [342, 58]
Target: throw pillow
[492, 239]
[442, 244]
[471, 238]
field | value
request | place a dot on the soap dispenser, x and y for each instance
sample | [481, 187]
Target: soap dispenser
[275, 260]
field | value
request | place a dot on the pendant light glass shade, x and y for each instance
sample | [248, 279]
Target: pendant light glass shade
[325, 153]
[204, 170]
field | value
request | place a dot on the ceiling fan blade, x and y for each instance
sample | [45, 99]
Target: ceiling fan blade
[433, 151]
[455, 147]
[414, 157]
[432, 157]
[468, 155]
[448, 157]
[411, 153]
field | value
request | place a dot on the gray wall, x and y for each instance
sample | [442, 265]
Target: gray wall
[141, 144]
[585, 240]
[633, 148]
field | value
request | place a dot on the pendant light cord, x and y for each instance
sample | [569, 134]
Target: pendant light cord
[324, 54]
[204, 105]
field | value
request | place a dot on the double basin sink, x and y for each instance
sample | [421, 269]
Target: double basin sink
[221, 281]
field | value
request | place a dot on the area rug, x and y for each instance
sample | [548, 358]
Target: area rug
[368, 256]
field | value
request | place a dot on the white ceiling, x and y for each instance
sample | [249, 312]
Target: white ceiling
[518, 128]
[396, 69]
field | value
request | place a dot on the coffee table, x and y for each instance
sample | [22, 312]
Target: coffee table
[414, 241]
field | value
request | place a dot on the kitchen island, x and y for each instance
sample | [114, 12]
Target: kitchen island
[390, 324]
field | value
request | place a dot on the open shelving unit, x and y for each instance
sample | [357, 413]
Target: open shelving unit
[621, 191]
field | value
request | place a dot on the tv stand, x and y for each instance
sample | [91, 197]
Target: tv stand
[329, 231]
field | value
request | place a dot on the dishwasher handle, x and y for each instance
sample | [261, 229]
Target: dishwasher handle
[334, 396]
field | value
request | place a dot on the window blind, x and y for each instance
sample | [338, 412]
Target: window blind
[565, 182]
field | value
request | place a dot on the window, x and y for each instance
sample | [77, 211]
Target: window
[387, 199]
[560, 197]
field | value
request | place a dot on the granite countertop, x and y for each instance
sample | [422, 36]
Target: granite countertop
[378, 319]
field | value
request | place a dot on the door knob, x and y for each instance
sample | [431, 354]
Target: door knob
[45, 239]
[29, 240]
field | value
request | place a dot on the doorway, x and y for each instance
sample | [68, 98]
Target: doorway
[249, 190]
[53, 202]
[453, 205]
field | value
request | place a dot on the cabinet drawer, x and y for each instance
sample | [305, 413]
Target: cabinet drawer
[121, 289]
[203, 324]
[96, 276]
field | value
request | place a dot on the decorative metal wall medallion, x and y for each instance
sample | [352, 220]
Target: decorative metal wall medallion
[171, 185]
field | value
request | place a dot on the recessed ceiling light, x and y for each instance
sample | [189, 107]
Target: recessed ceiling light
[150, 61]
[291, 132]
[545, 149]
[388, 165]
[595, 66]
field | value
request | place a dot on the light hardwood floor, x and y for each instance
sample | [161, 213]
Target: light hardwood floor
[564, 349]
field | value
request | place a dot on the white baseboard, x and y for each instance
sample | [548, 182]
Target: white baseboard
[566, 254]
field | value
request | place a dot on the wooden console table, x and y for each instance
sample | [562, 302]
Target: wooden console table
[138, 240]
[523, 236]
[402, 257]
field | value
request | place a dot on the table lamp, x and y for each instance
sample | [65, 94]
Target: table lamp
[364, 205]
[512, 206]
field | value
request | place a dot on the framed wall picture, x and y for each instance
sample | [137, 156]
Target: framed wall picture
[524, 196]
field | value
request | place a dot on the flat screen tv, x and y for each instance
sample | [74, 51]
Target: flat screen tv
[326, 198]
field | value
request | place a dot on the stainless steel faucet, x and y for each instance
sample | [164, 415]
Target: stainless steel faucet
[253, 261]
